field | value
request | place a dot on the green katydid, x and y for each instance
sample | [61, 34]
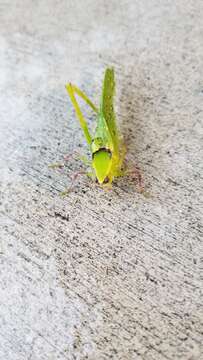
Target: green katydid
[106, 146]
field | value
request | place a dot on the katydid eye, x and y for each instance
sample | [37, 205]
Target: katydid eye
[106, 180]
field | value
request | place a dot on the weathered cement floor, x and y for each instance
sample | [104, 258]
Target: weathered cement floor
[101, 275]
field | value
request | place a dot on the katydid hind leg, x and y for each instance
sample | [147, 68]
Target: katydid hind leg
[85, 98]
[83, 123]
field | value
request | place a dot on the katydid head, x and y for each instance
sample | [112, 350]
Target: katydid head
[102, 162]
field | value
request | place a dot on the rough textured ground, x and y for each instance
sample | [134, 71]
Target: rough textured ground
[101, 275]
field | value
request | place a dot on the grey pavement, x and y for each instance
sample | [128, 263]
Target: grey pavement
[101, 274]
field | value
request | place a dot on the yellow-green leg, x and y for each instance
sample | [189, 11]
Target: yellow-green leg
[72, 89]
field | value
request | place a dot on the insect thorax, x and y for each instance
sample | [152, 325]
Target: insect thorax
[99, 143]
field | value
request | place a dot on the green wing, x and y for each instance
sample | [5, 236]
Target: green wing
[107, 105]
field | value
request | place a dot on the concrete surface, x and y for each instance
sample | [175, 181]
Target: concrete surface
[101, 275]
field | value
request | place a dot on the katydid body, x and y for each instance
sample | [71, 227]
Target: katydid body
[106, 146]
